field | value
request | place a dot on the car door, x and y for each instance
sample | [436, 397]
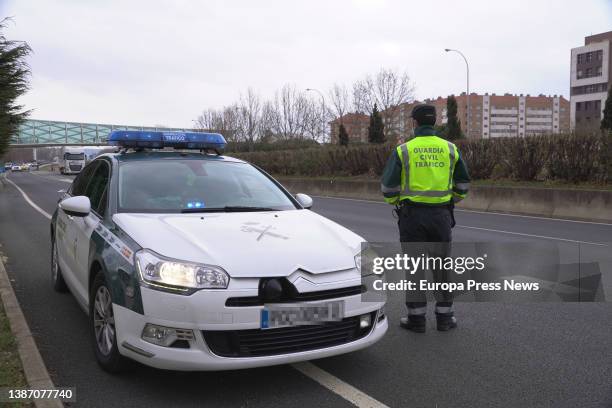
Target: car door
[84, 226]
[66, 231]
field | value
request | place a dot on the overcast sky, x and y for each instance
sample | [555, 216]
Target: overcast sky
[151, 62]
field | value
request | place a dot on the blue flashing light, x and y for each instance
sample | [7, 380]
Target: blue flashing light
[160, 139]
[195, 204]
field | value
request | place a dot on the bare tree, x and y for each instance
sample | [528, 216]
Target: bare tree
[387, 89]
[266, 128]
[315, 120]
[249, 117]
[292, 114]
[340, 100]
[224, 121]
[207, 120]
[289, 113]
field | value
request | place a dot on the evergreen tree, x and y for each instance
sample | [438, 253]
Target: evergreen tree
[440, 130]
[343, 137]
[453, 125]
[606, 121]
[376, 130]
[14, 73]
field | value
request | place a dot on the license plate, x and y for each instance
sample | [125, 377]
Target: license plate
[301, 314]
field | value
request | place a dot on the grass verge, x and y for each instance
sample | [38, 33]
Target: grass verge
[11, 372]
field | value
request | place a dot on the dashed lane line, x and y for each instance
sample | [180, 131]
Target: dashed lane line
[337, 386]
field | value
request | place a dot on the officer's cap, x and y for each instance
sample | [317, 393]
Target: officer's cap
[424, 114]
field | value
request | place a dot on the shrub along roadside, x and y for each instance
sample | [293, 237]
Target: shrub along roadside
[566, 158]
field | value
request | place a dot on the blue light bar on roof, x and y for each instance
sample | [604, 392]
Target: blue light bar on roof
[159, 140]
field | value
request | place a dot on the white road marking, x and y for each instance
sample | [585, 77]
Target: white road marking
[479, 212]
[532, 235]
[500, 231]
[327, 380]
[534, 216]
[337, 386]
[32, 203]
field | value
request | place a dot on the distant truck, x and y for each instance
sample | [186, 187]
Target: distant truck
[73, 160]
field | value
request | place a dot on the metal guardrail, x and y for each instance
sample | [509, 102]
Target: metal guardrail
[39, 133]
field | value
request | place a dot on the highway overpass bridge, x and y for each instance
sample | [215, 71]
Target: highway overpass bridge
[51, 133]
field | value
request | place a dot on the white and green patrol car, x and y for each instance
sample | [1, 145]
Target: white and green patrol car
[187, 260]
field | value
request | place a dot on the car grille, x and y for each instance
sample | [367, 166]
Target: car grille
[75, 167]
[286, 340]
[299, 297]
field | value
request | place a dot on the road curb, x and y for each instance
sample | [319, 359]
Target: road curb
[34, 367]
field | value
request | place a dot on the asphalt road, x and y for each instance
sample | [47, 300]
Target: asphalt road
[502, 355]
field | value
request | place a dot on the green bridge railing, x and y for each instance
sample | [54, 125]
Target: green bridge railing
[50, 132]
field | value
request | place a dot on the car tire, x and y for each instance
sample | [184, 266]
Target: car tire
[56, 272]
[102, 326]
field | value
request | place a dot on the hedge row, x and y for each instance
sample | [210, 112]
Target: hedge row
[569, 158]
[259, 146]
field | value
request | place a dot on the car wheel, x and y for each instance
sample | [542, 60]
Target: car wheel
[56, 273]
[103, 329]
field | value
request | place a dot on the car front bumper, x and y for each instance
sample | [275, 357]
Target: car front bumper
[206, 311]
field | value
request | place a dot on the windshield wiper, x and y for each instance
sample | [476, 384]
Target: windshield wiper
[227, 208]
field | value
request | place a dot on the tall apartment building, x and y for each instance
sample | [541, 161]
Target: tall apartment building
[591, 69]
[492, 116]
[506, 115]
[513, 115]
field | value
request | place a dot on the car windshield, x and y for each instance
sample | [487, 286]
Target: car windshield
[188, 185]
[74, 156]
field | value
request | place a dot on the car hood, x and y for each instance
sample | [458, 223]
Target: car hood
[249, 244]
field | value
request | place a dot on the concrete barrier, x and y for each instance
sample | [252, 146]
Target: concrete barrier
[576, 204]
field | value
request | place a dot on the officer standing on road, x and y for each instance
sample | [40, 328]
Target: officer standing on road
[423, 178]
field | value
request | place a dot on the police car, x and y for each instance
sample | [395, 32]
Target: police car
[185, 259]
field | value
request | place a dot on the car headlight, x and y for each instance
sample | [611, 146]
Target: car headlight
[364, 261]
[358, 262]
[171, 274]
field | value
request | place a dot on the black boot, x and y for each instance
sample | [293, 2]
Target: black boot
[446, 322]
[416, 324]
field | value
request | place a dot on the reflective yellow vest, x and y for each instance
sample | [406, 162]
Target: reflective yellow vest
[428, 163]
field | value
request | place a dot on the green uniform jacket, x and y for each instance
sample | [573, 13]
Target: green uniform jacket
[392, 174]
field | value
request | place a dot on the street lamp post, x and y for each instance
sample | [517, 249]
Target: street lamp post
[320, 93]
[322, 101]
[467, 67]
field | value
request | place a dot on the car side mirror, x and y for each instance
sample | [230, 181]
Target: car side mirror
[304, 200]
[78, 206]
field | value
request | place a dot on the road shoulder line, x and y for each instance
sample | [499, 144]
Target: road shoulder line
[33, 365]
[532, 235]
[477, 212]
[27, 198]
